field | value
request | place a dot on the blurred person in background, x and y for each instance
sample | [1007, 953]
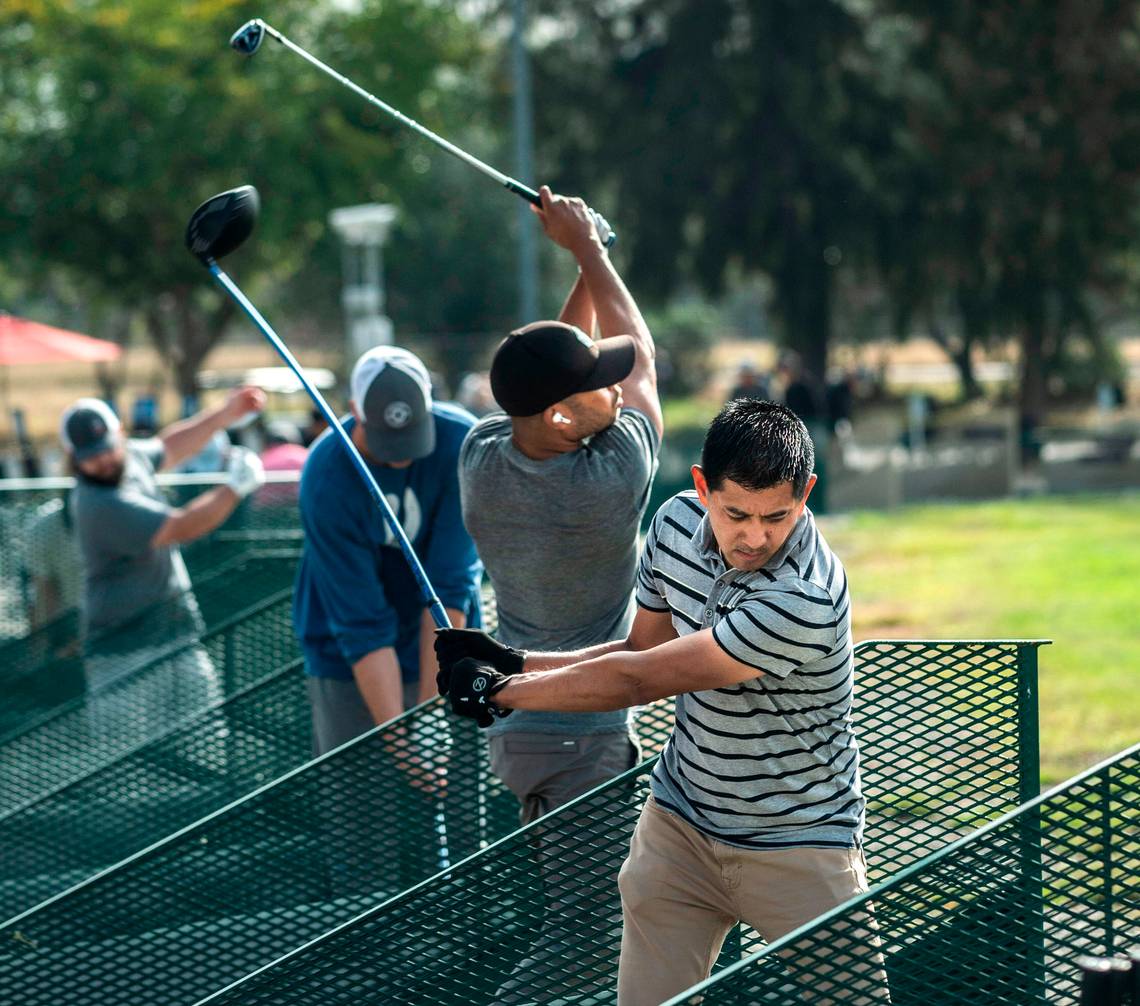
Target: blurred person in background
[316, 425]
[282, 451]
[750, 383]
[129, 536]
[475, 395]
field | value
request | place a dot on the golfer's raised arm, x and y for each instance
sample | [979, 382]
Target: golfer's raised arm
[569, 223]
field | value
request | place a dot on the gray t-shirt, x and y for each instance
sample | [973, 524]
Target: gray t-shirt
[123, 574]
[559, 539]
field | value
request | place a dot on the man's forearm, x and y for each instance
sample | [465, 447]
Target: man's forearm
[185, 438]
[429, 666]
[597, 684]
[616, 310]
[199, 517]
[579, 308]
[554, 661]
[377, 675]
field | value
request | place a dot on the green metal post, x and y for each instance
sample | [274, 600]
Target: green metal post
[1106, 871]
[1029, 786]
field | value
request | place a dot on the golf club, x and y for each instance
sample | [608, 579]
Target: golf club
[215, 229]
[247, 40]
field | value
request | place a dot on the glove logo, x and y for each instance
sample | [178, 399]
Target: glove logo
[479, 684]
[397, 415]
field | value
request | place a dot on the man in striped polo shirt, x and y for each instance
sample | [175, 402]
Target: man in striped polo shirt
[756, 813]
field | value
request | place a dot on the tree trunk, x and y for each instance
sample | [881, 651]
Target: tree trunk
[959, 349]
[805, 299]
[183, 337]
[1032, 395]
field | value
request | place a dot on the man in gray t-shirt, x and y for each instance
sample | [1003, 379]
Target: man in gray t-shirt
[553, 494]
[128, 531]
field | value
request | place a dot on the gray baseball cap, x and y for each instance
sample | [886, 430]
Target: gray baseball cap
[89, 427]
[392, 392]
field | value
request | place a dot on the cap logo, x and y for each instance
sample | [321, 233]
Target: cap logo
[98, 427]
[583, 338]
[397, 415]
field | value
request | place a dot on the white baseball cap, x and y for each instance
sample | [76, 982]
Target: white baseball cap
[392, 392]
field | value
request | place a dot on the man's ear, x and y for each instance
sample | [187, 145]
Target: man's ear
[812, 479]
[558, 416]
[356, 412]
[700, 483]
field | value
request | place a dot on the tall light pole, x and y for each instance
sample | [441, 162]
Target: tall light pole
[524, 164]
[363, 231]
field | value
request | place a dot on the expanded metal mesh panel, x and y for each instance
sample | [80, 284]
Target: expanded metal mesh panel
[145, 702]
[287, 864]
[267, 516]
[356, 827]
[999, 918]
[42, 673]
[211, 760]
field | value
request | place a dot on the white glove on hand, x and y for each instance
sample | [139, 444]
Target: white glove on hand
[245, 471]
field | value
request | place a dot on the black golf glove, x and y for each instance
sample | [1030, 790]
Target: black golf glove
[473, 686]
[453, 645]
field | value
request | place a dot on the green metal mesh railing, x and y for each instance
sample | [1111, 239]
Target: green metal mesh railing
[269, 518]
[37, 681]
[368, 821]
[997, 918]
[210, 760]
[146, 702]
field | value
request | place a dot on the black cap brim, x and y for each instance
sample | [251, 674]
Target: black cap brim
[616, 357]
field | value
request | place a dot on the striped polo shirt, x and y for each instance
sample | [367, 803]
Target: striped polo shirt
[772, 762]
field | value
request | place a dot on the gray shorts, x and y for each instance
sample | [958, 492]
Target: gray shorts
[546, 771]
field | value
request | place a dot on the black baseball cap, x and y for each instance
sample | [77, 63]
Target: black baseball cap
[89, 427]
[547, 361]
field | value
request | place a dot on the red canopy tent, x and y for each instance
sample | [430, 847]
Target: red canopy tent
[23, 341]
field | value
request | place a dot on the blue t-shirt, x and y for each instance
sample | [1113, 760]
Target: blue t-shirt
[355, 592]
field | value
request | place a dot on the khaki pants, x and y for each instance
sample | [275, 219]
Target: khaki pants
[682, 891]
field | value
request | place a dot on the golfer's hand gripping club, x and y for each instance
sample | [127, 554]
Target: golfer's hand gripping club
[454, 645]
[473, 688]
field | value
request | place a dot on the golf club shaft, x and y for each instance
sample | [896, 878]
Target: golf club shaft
[438, 614]
[506, 181]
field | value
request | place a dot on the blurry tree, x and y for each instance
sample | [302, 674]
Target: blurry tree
[1018, 193]
[721, 136]
[119, 116]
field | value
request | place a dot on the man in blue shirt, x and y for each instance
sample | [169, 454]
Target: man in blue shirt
[365, 632]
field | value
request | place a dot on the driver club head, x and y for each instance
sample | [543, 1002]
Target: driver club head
[222, 222]
[247, 39]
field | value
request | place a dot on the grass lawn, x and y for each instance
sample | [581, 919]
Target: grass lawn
[1059, 568]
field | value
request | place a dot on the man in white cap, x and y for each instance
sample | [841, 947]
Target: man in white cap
[129, 532]
[365, 632]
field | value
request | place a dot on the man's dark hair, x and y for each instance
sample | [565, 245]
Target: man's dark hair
[758, 445]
